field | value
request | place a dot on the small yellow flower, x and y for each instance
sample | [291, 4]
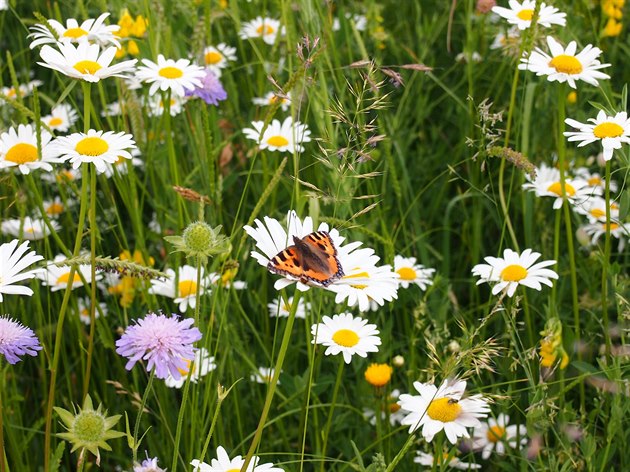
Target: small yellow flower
[612, 28]
[572, 97]
[139, 27]
[378, 375]
[551, 349]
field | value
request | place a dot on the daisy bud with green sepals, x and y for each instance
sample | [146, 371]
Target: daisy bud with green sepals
[89, 429]
[201, 241]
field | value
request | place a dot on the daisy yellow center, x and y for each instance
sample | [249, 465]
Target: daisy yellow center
[119, 160]
[495, 434]
[286, 307]
[566, 64]
[598, 213]
[55, 121]
[187, 288]
[92, 146]
[346, 337]
[278, 141]
[63, 278]
[234, 470]
[170, 72]
[444, 410]
[407, 273]
[613, 226]
[87, 67]
[263, 30]
[85, 312]
[394, 407]
[593, 181]
[54, 208]
[21, 153]
[11, 93]
[213, 57]
[364, 275]
[557, 189]
[607, 130]
[525, 14]
[74, 33]
[513, 273]
[29, 230]
[185, 371]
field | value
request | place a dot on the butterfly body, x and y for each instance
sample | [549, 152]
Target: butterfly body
[311, 259]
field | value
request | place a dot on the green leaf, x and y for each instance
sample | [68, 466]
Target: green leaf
[55, 460]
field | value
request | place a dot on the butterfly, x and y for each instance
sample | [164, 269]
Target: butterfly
[312, 258]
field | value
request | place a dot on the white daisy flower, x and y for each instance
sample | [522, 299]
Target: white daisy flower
[612, 131]
[593, 179]
[618, 230]
[265, 28]
[91, 30]
[61, 118]
[97, 147]
[218, 57]
[13, 263]
[182, 288]
[364, 283]
[202, 364]
[19, 149]
[57, 277]
[521, 14]
[84, 304]
[412, 273]
[54, 208]
[271, 98]
[514, 269]
[396, 413]
[169, 74]
[62, 176]
[31, 228]
[280, 307]
[263, 375]
[505, 39]
[285, 137]
[226, 280]
[223, 463]
[85, 61]
[547, 184]
[496, 434]
[120, 167]
[428, 460]
[437, 409]
[156, 105]
[346, 335]
[563, 65]
[23, 90]
[595, 210]
[113, 109]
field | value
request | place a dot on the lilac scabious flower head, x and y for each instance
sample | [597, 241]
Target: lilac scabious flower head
[16, 340]
[166, 342]
[211, 90]
[148, 465]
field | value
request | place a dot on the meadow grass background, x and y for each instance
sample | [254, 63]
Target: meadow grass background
[428, 188]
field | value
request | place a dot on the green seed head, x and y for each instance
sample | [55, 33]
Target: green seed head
[199, 237]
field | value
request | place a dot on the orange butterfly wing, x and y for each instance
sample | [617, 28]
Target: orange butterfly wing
[312, 259]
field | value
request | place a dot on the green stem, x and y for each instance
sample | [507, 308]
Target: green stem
[62, 316]
[2, 457]
[567, 218]
[605, 264]
[182, 409]
[392, 465]
[93, 231]
[330, 413]
[136, 427]
[172, 158]
[206, 444]
[286, 338]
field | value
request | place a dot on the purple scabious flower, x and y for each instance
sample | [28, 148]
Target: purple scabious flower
[16, 340]
[148, 465]
[167, 343]
[211, 90]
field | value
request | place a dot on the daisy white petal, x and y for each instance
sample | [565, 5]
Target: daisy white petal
[346, 335]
